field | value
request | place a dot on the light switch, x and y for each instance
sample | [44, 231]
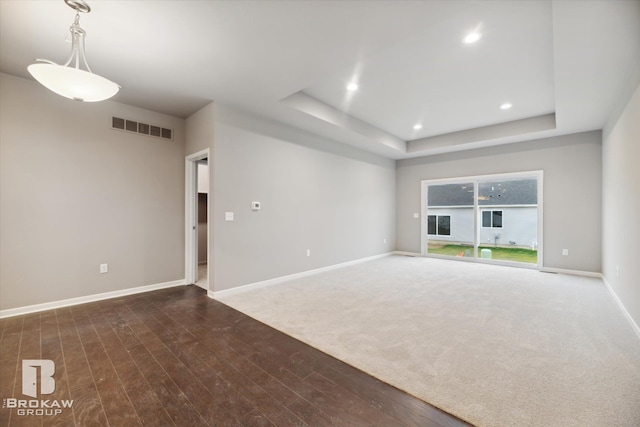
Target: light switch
[416, 215]
[228, 216]
[255, 206]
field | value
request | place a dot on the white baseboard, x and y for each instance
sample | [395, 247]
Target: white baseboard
[407, 253]
[89, 298]
[632, 322]
[543, 269]
[256, 285]
[572, 272]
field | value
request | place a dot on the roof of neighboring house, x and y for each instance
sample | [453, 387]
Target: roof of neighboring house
[511, 192]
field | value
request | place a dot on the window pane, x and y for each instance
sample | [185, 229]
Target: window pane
[450, 195]
[486, 219]
[508, 192]
[455, 223]
[450, 219]
[497, 219]
[513, 207]
[431, 224]
[444, 225]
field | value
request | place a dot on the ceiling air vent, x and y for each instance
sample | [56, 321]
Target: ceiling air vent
[141, 128]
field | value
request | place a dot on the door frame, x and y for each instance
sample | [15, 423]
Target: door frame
[538, 174]
[191, 216]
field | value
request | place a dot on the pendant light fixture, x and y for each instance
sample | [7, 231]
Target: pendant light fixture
[69, 80]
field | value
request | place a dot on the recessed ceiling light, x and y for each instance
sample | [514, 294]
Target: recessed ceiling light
[417, 127]
[505, 106]
[472, 38]
[352, 87]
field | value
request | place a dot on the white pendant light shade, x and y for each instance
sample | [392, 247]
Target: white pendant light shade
[73, 83]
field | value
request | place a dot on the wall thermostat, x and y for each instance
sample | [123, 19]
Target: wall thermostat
[255, 206]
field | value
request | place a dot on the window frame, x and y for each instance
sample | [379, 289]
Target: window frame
[437, 225]
[491, 217]
[476, 179]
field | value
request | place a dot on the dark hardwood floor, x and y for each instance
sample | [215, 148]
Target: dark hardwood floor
[177, 357]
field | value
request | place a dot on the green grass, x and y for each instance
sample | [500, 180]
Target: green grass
[502, 254]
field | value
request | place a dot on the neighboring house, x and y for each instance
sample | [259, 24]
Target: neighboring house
[509, 225]
[507, 213]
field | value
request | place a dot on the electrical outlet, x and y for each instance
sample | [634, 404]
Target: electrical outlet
[565, 252]
[384, 240]
[416, 215]
[308, 252]
[104, 268]
[228, 216]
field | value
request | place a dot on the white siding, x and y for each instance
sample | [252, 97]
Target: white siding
[519, 225]
[461, 224]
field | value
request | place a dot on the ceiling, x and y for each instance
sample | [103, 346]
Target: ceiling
[563, 64]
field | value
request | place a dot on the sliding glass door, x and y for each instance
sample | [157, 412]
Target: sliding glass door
[495, 219]
[450, 223]
[508, 219]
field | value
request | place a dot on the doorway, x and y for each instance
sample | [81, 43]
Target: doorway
[491, 218]
[196, 219]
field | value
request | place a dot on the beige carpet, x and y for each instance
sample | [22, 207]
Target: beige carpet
[496, 346]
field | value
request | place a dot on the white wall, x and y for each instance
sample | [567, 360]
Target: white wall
[316, 194]
[199, 130]
[461, 224]
[572, 166]
[75, 193]
[519, 225]
[621, 204]
[203, 178]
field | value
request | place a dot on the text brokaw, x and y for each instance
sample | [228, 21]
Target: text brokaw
[37, 407]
